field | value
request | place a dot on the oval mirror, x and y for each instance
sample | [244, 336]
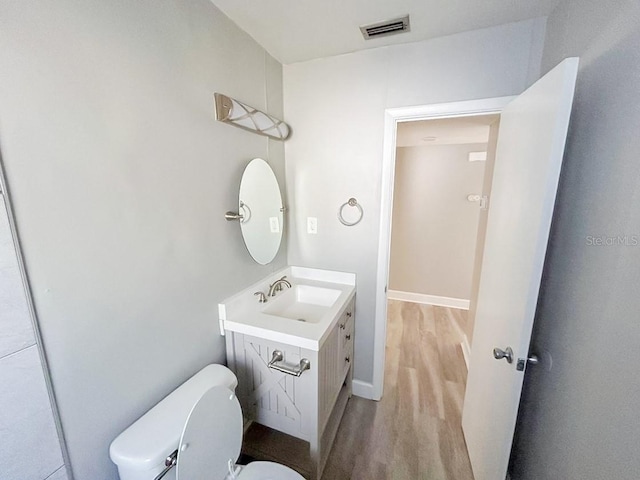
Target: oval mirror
[260, 205]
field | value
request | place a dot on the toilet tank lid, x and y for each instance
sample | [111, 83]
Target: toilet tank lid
[155, 435]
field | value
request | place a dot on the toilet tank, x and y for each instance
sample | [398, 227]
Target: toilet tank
[140, 451]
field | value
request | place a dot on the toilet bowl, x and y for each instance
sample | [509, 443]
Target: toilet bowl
[202, 421]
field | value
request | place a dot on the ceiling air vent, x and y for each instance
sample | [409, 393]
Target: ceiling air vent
[388, 27]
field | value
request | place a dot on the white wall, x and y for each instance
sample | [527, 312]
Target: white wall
[120, 178]
[580, 419]
[336, 107]
[433, 237]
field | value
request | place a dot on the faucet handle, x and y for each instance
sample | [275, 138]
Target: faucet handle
[262, 298]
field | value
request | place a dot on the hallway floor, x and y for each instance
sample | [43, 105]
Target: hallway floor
[415, 431]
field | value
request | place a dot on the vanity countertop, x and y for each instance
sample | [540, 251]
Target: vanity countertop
[243, 313]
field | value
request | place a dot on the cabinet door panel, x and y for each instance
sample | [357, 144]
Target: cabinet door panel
[273, 398]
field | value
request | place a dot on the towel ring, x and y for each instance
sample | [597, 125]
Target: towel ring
[352, 202]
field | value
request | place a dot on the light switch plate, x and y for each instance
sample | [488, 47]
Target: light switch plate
[312, 225]
[274, 225]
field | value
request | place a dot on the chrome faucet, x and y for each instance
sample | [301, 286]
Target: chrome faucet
[277, 286]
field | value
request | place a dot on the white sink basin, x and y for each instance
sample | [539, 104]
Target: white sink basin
[302, 315]
[304, 303]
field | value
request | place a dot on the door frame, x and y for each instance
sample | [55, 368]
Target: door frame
[393, 116]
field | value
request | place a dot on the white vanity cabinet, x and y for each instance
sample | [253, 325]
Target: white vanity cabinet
[308, 406]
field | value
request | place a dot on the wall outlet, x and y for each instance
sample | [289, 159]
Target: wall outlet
[312, 225]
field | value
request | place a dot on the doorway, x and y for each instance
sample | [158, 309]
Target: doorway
[441, 186]
[437, 170]
[442, 182]
[394, 118]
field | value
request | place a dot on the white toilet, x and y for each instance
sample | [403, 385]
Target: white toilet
[202, 420]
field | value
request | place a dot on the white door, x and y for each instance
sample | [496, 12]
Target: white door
[533, 129]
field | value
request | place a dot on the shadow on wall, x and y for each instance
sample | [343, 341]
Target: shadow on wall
[578, 419]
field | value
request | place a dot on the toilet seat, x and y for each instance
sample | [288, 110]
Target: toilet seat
[211, 441]
[268, 471]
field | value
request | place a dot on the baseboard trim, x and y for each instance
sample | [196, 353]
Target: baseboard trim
[428, 299]
[466, 351]
[362, 389]
[464, 344]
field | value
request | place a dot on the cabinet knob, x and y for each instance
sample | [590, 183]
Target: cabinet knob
[342, 326]
[348, 314]
[347, 359]
[348, 337]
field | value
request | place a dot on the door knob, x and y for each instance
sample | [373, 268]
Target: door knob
[507, 354]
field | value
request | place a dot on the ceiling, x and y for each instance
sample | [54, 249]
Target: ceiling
[298, 30]
[448, 131]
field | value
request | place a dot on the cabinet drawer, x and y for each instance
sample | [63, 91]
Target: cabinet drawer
[346, 338]
[349, 314]
[347, 322]
[346, 359]
[347, 329]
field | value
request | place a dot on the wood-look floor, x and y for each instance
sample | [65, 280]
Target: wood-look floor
[415, 431]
